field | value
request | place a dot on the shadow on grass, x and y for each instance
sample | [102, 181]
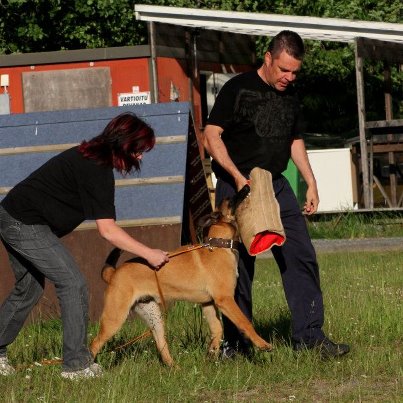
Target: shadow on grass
[193, 336]
[275, 331]
[120, 348]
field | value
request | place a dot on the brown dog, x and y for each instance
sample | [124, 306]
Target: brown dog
[206, 276]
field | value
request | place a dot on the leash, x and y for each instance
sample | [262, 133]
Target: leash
[41, 363]
[212, 243]
[189, 249]
[171, 255]
[132, 341]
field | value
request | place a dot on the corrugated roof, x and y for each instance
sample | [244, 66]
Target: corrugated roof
[317, 28]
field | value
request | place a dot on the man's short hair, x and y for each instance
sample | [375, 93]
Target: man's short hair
[289, 41]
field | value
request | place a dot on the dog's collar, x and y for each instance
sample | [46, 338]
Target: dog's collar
[222, 243]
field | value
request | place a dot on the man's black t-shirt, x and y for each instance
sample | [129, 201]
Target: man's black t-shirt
[64, 192]
[259, 124]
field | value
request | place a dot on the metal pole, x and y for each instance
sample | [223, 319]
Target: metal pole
[192, 65]
[154, 74]
[389, 116]
[361, 123]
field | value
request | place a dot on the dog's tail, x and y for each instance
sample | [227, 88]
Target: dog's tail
[110, 264]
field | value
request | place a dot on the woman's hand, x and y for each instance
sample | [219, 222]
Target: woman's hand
[118, 237]
[157, 258]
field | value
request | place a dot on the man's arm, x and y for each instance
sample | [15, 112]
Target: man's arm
[216, 148]
[300, 158]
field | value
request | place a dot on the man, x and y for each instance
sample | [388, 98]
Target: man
[255, 122]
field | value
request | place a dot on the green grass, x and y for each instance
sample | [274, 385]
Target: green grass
[362, 292]
[349, 225]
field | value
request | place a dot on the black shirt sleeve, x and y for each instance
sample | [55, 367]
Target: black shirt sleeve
[222, 112]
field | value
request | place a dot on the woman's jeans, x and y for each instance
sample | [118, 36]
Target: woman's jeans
[35, 253]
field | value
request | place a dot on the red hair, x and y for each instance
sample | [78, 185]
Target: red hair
[123, 139]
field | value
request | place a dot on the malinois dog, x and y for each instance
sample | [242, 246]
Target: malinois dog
[205, 275]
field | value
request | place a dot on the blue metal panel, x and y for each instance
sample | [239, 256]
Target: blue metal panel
[73, 126]
[163, 160]
[149, 201]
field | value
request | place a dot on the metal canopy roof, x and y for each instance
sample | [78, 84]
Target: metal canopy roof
[327, 29]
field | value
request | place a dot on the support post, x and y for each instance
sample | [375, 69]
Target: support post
[389, 116]
[154, 74]
[361, 123]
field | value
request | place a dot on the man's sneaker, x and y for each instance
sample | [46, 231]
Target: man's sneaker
[228, 352]
[5, 367]
[93, 371]
[326, 348]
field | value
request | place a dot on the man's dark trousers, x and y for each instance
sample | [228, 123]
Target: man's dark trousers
[298, 266]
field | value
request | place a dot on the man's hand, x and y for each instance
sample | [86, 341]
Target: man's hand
[240, 182]
[312, 200]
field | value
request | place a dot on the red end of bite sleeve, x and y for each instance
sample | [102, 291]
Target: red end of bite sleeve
[264, 241]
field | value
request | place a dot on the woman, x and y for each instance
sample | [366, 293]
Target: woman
[76, 185]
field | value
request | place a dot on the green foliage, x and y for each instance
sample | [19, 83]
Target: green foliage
[37, 26]
[46, 25]
[327, 80]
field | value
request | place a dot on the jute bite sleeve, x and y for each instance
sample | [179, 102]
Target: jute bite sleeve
[258, 215]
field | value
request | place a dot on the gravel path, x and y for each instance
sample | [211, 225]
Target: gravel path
[366, 244]
[353, 245]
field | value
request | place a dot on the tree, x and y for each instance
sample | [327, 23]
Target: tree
[327, 79]
[39, 26]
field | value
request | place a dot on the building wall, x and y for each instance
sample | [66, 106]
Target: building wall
[178, 73]
[124, 74]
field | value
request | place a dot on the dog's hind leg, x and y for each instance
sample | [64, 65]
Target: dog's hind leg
[231, 310]
[214, 323]
[115, 312]
[150, 312]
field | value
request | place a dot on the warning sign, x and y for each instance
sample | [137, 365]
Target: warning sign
[134, 98]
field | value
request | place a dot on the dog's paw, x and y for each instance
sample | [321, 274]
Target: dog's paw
[213, 353]
[266, 347]
[174, 367]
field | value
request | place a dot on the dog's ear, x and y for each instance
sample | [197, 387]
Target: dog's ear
[209, 219]
[215, 216]
[204, 221]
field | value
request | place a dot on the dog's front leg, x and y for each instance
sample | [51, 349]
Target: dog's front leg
[231, 310]
[214, 323]
[150, 312]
